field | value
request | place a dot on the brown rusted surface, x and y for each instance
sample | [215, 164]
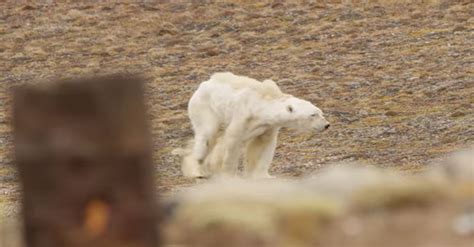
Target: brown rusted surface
[84, 157]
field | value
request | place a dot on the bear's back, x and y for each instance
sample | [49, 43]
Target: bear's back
[267, 89]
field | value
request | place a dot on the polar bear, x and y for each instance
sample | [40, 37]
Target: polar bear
[233, 115]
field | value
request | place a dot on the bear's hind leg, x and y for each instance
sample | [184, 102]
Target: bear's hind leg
[206, 126]
[259, 154]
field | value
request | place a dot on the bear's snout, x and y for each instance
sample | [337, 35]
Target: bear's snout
[326, 126]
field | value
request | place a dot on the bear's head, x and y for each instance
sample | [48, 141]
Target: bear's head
[303, 115]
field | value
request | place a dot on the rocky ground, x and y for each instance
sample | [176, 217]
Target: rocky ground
[395, 80]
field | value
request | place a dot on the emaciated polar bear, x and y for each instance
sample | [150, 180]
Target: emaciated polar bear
[230, 114]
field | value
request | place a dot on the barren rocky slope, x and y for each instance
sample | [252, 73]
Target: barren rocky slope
[396, 81]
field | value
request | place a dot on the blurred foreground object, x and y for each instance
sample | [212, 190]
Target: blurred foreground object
[344, 204]
[84, 157]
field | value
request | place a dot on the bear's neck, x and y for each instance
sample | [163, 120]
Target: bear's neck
[273, 112]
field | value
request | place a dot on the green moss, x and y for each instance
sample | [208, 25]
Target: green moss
[5, 171]
[3, 205]
[372, 121]
[422, 32]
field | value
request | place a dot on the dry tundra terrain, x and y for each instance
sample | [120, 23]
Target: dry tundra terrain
[396, 80]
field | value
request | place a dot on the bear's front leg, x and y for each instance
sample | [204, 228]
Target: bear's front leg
[259, 154]
[233, 142]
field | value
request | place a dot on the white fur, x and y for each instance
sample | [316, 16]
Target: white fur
[250, 113]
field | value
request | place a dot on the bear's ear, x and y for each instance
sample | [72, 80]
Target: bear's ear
[289, 108]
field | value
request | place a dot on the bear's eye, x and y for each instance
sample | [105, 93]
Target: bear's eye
[289, 108]
[313, 115]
